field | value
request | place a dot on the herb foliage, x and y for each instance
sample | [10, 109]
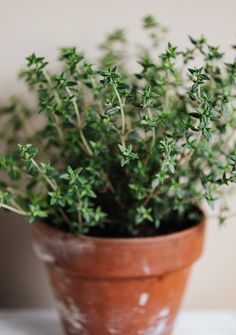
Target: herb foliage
[117, 151]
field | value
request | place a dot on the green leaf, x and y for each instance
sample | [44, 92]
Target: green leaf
[112, 110]
[143, 214]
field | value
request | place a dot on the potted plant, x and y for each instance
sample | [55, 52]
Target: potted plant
[114, 168]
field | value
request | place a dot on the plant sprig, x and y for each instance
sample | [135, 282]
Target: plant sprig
[116, 146]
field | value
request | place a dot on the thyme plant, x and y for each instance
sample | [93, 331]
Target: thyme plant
[117, 153]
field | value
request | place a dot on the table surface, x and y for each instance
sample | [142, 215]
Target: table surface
[46, 322]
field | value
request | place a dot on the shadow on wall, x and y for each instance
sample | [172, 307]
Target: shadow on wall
[22, 280]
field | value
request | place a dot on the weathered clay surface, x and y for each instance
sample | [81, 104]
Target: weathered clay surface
[118, 286]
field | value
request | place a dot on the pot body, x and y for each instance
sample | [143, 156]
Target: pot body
[118, 286]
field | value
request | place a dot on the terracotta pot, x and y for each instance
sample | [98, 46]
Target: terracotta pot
[118, 286]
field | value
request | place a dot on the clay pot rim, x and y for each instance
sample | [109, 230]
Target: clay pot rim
[129, 240]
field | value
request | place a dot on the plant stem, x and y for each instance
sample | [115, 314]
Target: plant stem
[79, 123]
[50, 182]
[193, 150]
[97, 100]
[53, 186]
[87, 147]
[65, 217]
[15, 210]
[16, 192]
[59, 102]
[80, 220]
[189, 156]
[153, 138]
[122, 116]
[151, 195]
[107, 180]
[49, 81]
[166, 98]
[199, 93]
[153, 130]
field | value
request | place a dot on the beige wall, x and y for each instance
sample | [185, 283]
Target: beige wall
[42, 26]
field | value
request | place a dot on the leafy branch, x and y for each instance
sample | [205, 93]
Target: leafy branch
[118, 153]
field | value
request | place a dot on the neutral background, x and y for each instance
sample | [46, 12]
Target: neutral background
[42, 26]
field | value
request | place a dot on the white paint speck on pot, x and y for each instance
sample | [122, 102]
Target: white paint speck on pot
[159, 329]
[116, 321]
[164, 313]
[143, 299]
[146, 269]
[113, 331]
[158, 324]
[43, 255]
[83, 246]
[72, 314]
